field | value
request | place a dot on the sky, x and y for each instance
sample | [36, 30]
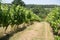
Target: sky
[44, 2]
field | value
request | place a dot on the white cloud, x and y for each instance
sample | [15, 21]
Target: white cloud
[42, 1]
[37, 1]
[7, 1]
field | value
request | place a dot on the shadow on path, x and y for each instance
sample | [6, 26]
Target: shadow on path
[9, 35]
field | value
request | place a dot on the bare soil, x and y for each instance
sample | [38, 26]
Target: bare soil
[36, 31]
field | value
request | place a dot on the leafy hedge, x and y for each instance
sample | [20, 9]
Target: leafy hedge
[16, 15]
[54, 18]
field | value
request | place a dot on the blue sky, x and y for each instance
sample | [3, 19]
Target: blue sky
[56, 2]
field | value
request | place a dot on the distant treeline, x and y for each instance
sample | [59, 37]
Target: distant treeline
[43, 6]
[34, 5]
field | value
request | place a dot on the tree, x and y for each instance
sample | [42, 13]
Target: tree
[18, 2]
[0, 5]
[0, 0]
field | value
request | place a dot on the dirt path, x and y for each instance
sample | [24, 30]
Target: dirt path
[37, 31]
